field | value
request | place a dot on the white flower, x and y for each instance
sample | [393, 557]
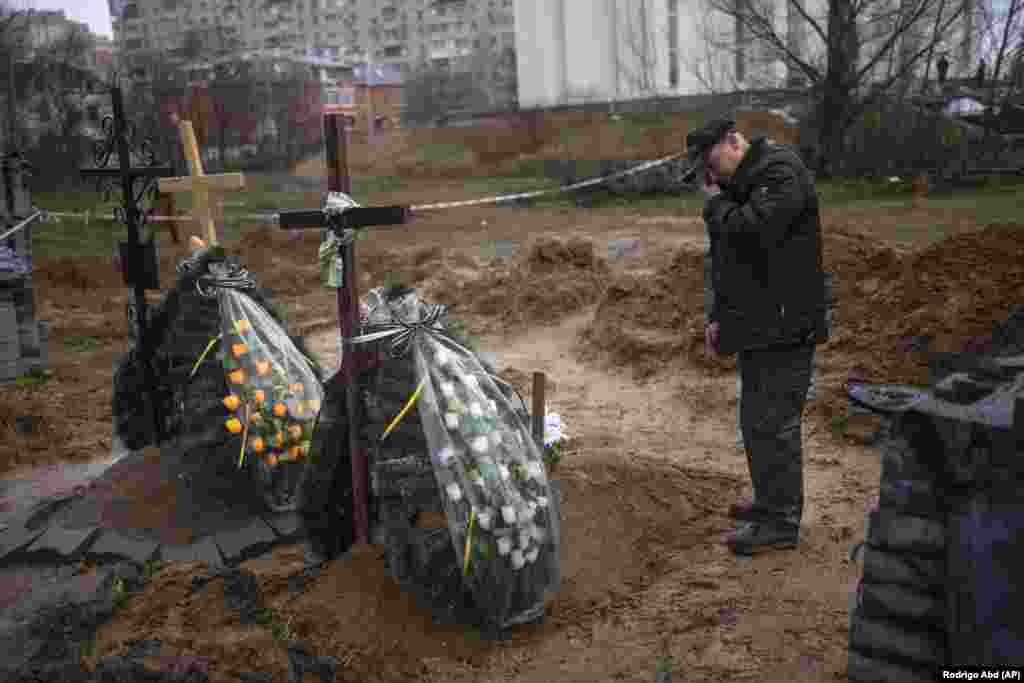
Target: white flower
[524, 538]
[894, 179]
[508, 513]
[480, 444]
[484, 518]
[448, 389]
[492, 405]
[542, 501]
[517, 559]
[471, 381]
[454, 492]
[531, 554]
[552, 429]
[504, 545]
[445, 455]
[495, 438]
[475, 410]
[451, 420]
[503, 472]
[442, 358]
[534, 470]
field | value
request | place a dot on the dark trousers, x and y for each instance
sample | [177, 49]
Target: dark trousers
[775, 383]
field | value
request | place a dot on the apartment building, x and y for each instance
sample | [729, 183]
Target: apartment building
[573, 51]
[399, 33]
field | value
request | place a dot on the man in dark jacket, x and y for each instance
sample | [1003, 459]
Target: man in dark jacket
[767, 300]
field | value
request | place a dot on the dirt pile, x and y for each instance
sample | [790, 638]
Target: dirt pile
[944, 298]
[885, 306]
[620, 525]
[550, 280]
[645, 321]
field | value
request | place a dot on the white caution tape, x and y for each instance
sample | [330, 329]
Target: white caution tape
[273, 217]
[557, 190]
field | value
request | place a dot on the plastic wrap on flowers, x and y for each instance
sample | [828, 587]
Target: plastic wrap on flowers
[492, 480]
[274, 395]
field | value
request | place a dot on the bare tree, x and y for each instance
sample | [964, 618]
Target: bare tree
[860, 50]
[1000, 33]
[13, 25]
[636, 56]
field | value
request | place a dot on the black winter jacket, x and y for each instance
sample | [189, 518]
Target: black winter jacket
[764, 281]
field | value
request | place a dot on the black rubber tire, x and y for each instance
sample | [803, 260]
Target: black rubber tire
[893, 602]
[895, 642]
[906, 534]
[863, 668]
[925, 574]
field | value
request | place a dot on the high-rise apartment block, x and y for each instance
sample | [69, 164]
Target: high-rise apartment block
[402, 33]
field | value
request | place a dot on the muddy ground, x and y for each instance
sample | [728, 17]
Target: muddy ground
[649, 469]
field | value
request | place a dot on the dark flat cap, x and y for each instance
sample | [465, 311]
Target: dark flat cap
[697, 141]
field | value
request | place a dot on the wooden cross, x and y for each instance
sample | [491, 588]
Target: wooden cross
[348, 301]
[200, 184]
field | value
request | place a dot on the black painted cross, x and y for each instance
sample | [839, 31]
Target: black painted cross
[138, 260]
[348, 306]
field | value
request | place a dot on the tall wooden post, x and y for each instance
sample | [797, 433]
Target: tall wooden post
[338, 180]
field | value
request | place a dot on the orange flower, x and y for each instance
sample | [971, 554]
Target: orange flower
[237, 376]
[233, 425]
[243, 326]
[279, 440]
[296, 388]
[295, 431]
[280, 409]
[263, 367]
[239, 349]
[296, 452]
[259, 396]
[270, 459]
[231, 402]
[257, 445]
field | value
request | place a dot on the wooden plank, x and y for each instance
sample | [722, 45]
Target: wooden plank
[222, 181]
[538, 409]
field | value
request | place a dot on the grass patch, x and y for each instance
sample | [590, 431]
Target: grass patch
[34, 377]
[440, 151]
[78, 343]
[840, 424]
[280, 631]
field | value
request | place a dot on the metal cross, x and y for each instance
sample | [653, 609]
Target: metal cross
[139, 261]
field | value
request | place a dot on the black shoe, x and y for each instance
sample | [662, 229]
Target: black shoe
[743, 509]
[752, 538]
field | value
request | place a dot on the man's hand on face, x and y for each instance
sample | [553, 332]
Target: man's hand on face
[711, 332]
[710, 188]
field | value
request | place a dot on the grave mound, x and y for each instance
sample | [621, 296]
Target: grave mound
[409, 517]
[552, 279]
[182, 326]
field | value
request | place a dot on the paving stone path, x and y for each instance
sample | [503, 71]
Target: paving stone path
[154, 504]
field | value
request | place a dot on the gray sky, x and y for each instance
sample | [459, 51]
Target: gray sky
[92, 12]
